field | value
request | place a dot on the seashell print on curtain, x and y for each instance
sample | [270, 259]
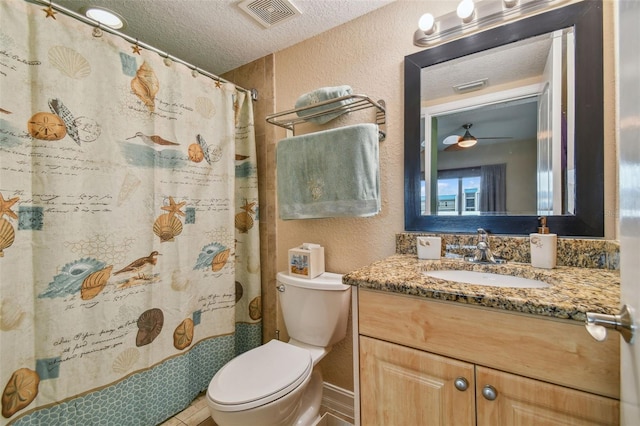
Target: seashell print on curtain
[129, 244]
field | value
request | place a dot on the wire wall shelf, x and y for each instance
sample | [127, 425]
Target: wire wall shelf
[342, 105]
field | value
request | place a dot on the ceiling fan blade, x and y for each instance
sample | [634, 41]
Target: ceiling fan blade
[495, 137]
[455, 147]
[451, 140]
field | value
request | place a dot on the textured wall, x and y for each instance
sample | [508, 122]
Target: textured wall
[259, 75]
[367, 54]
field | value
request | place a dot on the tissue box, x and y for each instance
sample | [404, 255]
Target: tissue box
[306, 261]
[429, 247]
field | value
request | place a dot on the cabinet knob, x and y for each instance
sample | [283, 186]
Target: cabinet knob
[461, 384]
[489, 392]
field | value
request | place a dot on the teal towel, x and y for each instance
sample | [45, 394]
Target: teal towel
[323, 94]
[332, 173]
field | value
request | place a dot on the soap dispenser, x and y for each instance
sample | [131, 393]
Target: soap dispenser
[543, 246]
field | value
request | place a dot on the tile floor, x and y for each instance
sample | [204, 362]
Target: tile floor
[196, 414]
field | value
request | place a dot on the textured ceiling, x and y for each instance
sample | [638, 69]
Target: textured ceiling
[216, 35]
[500, 66]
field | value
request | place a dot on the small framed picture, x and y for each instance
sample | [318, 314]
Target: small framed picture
[299, 264]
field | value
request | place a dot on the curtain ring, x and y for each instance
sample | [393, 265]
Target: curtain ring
[167, 60]
[97, 31]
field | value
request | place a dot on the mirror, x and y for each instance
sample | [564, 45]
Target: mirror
[518, 158]
[526, 161]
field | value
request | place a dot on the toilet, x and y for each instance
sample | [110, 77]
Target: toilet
[277, 383]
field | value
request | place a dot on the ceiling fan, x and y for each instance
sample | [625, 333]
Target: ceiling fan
[457, 143]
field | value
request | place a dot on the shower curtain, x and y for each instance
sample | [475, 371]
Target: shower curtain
[129, 245]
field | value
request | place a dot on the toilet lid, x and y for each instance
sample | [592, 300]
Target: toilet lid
[259, 376]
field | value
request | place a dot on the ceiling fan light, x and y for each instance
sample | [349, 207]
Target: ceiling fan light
[468, 142]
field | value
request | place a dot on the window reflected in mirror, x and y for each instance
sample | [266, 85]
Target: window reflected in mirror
[458, 192]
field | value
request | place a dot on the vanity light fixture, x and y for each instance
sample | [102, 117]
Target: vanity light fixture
[105, 17]
[471, 15]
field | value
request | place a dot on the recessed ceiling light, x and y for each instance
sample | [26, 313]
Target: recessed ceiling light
[105, 17]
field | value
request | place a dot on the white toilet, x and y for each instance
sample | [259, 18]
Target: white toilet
[276, 383]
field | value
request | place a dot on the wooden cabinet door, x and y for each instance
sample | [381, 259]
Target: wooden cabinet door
[400, 386]
[527, 402]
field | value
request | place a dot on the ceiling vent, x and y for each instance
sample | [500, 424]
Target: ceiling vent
[471, 86]
[269, 12]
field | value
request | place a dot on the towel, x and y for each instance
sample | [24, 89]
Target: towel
[320, 95]
[332, 173]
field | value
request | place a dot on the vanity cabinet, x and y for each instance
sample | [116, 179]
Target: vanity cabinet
[425, 362]
[405, 386]
[522, 401]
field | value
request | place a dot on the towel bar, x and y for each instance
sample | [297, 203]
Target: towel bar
[289, 119]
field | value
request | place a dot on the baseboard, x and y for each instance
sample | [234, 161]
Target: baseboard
[338, 401]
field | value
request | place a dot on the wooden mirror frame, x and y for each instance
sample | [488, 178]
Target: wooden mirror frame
[588, 221]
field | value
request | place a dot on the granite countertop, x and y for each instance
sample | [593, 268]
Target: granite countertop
[572, 292]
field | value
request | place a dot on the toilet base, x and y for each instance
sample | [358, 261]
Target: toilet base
[311, 400]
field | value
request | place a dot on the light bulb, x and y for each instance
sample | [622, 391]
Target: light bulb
[465, 10]
[427, 23]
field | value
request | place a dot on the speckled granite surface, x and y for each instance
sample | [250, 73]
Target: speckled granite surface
[572, 293]
[578, 252]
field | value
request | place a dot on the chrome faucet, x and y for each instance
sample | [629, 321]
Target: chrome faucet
[483, 251]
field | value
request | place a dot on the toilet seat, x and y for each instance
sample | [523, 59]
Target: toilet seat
[259, 376]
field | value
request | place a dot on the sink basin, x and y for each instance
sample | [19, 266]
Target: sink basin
[486, 278]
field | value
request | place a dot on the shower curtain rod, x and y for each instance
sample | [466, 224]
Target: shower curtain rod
[86, 20]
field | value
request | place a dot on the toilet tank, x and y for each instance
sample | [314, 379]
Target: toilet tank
[315, 310]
